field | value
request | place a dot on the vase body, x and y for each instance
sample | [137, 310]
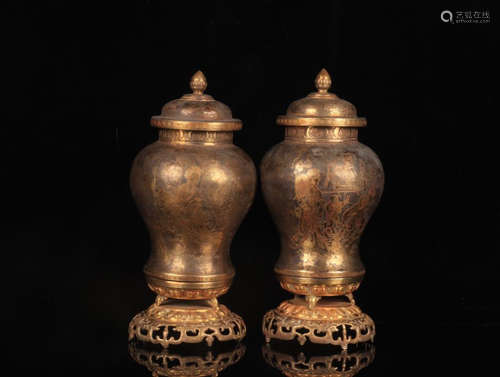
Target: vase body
[193, 189]
[321, 186]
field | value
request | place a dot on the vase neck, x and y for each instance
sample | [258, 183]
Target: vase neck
[321, 134]
[195, 137]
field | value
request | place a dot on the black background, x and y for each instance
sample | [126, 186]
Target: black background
[89, 76]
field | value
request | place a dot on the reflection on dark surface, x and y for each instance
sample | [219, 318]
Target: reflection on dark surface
[182, 362]
[300, 364]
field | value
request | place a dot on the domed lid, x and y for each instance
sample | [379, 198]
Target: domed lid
[196, 111]
[321, 108]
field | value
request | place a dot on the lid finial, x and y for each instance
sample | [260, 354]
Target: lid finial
[323, 81]
[196, 111]
[198, 83]
[321, 108]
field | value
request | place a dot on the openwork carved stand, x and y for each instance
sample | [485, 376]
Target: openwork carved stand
[176, 322]
[328, 321]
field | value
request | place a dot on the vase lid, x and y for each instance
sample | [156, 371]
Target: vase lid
[196, 111]
[321, 108]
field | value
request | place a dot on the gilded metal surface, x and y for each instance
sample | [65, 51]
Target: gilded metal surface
[321, 108]
[193, 188]
[321, 186]
[319, 289]
[165, 363]
[325, 322]
[343, 364]
[196, 111]
[166, 323]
